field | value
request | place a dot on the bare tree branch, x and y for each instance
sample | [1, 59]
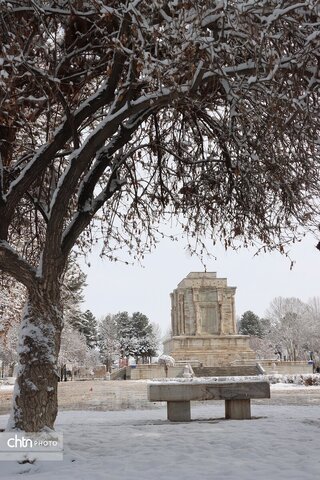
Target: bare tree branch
[79, 161]
[45, 154]
[17, 267]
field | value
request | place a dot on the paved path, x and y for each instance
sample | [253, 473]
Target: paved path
[118, 395]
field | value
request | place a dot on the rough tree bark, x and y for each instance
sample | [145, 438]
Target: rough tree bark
[35, 404]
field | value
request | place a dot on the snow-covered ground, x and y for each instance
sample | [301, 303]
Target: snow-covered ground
[280, 442]
[6, 388]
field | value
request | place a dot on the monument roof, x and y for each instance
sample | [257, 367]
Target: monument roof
[202, 279]
[202, 275]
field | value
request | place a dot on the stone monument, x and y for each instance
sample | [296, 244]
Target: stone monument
[203, 323]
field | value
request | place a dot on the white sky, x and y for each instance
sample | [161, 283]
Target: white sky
[114, 287]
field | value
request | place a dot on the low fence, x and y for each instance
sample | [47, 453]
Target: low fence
[285, 368]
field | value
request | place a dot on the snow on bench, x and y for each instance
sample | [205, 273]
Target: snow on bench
[237, 395]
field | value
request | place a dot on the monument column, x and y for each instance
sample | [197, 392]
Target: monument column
[181, 314]
[234, 315]
[220, 313]
[174, 314]
[197, 311]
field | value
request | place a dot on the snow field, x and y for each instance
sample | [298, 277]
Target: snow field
[280, 442]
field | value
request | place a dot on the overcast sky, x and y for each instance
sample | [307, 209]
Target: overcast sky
[114, 287]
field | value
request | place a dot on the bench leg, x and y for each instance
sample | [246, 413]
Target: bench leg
[238, 409]
[179, 411]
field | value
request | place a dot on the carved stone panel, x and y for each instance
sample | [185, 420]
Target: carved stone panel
[209, 320]
[203, 304]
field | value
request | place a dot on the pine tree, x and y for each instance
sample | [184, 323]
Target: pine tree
[74, 281]
[87, 325]
[146, 342]
[74, 284]
[107, 340]
[250, 324]
[127, 336]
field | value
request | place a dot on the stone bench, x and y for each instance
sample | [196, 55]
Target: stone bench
[237, 396]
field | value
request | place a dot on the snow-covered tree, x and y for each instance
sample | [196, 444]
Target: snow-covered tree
[127, 335]
[87, 325]
[290, 327]
[314, 322]
[263, 347]
[75, 350]
[74, 282]
[12, 298]
[166, 360]
[146, 336]
[132, 112]
[108, 343]
[8, 348]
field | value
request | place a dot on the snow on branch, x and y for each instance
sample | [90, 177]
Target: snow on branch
[80, 158]
[87, 206]
[41, 159]
[224, 95]
[104, 156]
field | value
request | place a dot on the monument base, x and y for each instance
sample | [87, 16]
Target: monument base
[210, 350]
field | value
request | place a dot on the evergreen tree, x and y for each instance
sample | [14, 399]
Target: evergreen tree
[146, 343]
[250, 324]
[74, 281]
[87, 325]
[127, 336]
[107, 340]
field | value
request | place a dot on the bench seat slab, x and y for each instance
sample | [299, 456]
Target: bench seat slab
[179, 392]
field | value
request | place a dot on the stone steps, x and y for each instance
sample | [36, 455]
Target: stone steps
[119, 374]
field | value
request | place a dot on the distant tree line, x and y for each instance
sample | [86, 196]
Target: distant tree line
[123, 336]
[290, 329]
[85, 341]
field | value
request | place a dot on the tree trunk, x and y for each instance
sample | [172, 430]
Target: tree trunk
[35, 404]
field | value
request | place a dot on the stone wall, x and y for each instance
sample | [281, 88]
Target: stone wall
[213, 350]
[285, 368]
[97, 372]
[143, 372]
